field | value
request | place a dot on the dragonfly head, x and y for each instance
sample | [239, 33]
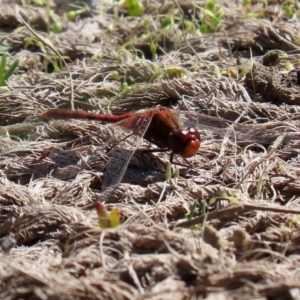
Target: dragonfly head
[185, 142]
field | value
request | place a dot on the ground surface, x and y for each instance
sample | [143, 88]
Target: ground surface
[237, 82]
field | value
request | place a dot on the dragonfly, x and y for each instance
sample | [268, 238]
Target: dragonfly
[161, 127]
[158, 125]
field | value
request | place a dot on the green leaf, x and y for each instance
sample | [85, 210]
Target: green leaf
[219, 14]
[246, 2]
[210, 5]
[57, 27]
[56, 68]
[11, 70]
[126, 88]
[189, 27]
[153, 48]
[39, 3]
[208, 13]
[71, 15]
[167, 21]
[114, 74]
[114, 218]
[174, 71]
[289, 11]
[2, 68]
[135, 8]
[110, 28]
[168, 174]
[204, 28]
[288, 66]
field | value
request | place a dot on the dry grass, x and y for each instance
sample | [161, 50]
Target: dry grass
[246, 247]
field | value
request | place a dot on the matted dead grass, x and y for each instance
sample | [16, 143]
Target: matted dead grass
[247, 244]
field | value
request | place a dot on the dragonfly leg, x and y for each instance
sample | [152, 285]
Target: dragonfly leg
[116, 144]
[143, 152]
[179, 164]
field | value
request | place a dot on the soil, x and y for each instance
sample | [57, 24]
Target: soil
[226, 227]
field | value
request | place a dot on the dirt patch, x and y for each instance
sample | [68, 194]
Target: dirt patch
[233, 76]
[271, 84]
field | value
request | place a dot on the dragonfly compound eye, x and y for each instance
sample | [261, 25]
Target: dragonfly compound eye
[185, 142]
[192, 142]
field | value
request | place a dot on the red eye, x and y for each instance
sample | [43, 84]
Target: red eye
[185, 142]
[190, 149]
[192, 143]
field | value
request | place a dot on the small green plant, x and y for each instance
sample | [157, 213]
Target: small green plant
[71, 15]
[126, 88]
[49, 59]
[289, 11]
[55, 62]
[246, 3]
[40, 3]
[193, 210]
[82, 8]
[107, 219]
[168, 174]
[288, 66]
[167, 21]
[135, 7]
[174, 72]
[153, 49]
[57, 26]
[293, 222]
[53, 22]
[291, 7]
[191, 27]
[110, 28]
[212, 15]
[5, 72]
[235, 72]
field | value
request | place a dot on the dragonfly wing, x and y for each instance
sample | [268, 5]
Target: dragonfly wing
[201, 121]
[209, 126]
[121, 155]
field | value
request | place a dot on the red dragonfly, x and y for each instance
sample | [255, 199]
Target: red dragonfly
[159, 126]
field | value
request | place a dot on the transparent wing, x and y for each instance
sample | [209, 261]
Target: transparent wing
[209, 126]
[121, 155]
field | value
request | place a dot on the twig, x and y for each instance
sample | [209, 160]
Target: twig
[183, 25]
[234, 209]
[272, 149]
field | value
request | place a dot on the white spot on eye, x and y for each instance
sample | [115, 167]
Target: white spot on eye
[184, 132]
[192, 130]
